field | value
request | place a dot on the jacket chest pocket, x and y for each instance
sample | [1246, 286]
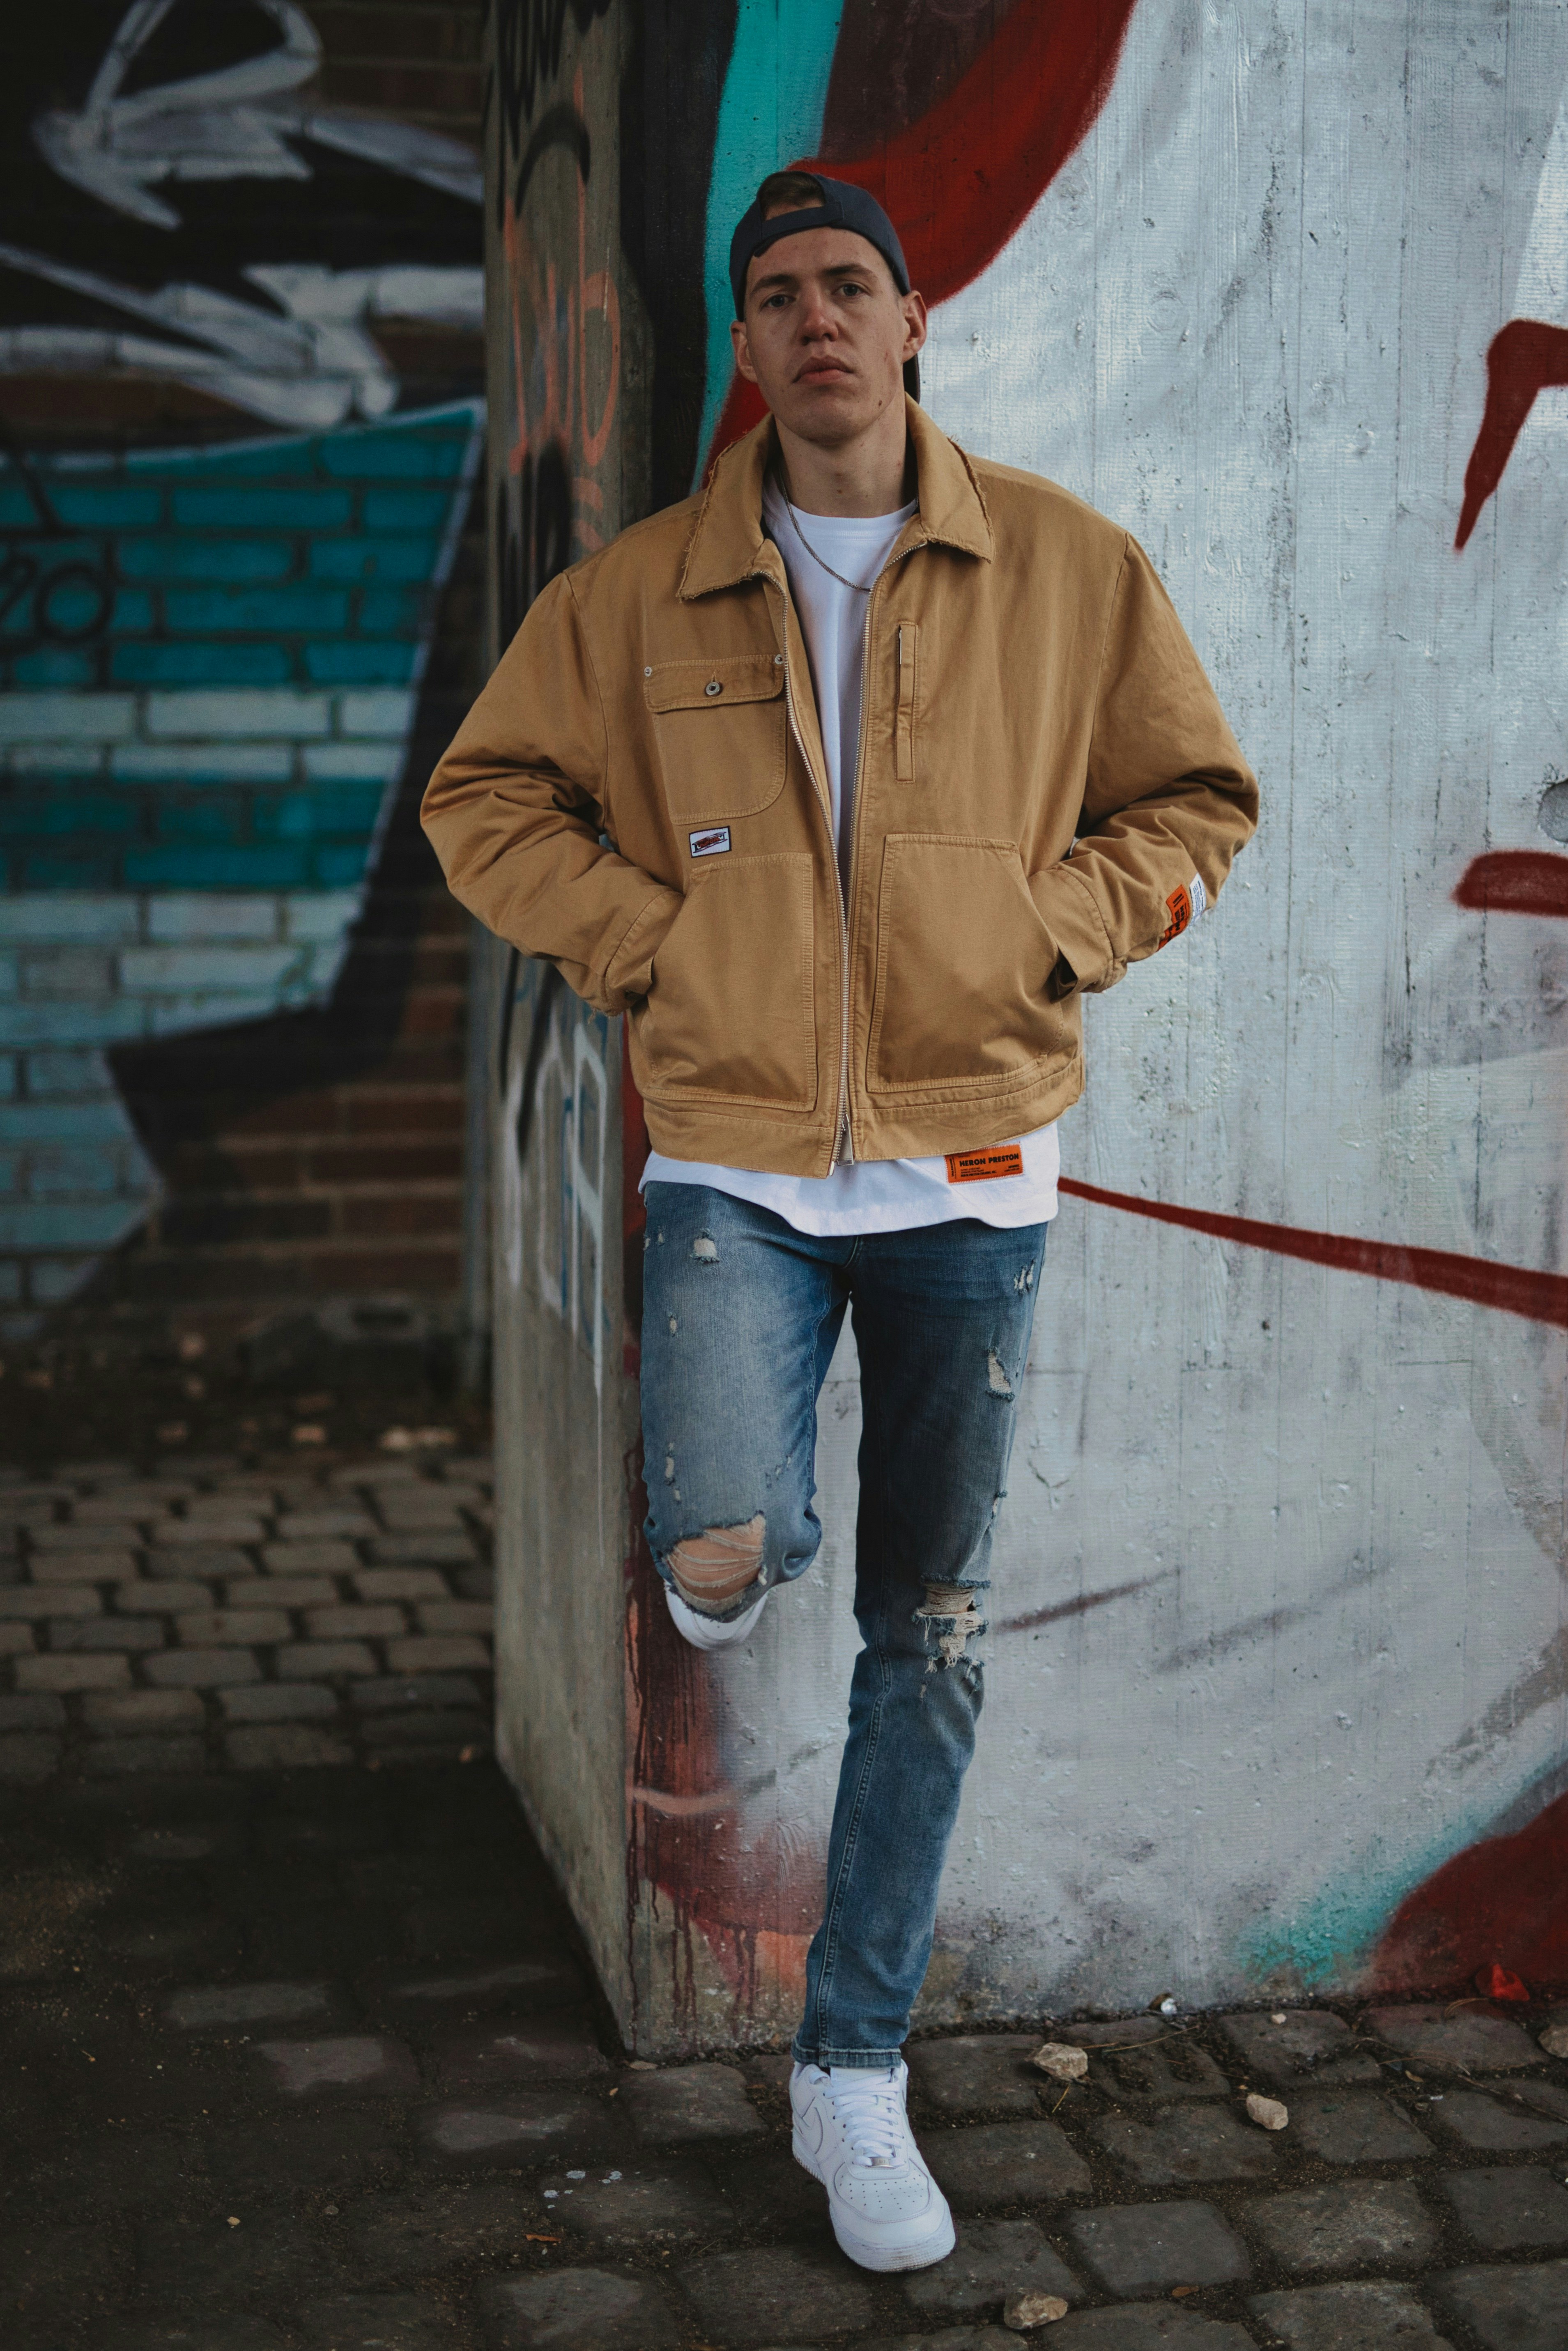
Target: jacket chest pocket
[718, 728]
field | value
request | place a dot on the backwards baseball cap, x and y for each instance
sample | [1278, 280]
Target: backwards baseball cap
[843, 205]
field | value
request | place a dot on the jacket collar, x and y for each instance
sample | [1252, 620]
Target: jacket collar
[727, 543]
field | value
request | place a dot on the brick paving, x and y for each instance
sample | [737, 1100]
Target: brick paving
[311, 2060]
[254, 1618]
[306, 2059]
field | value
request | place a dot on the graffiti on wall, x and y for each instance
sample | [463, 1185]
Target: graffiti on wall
[557, 495]
[1327, 1131]
[223, 523]
[560, 339]
[552, 1088]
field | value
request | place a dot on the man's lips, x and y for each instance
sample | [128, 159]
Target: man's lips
[823, 371]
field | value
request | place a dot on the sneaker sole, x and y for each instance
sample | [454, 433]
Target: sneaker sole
[716, 1635]
[902, 2257]
[883, 2258]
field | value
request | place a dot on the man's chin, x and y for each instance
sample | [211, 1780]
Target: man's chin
[832, 411]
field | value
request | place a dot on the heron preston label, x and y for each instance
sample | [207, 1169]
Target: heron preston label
[985, 1166]
[1178, 906]
[1185, 905]
[709, 844]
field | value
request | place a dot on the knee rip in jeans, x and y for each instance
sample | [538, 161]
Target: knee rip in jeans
[951, 1612]
[997, 1377]
[712, 1570]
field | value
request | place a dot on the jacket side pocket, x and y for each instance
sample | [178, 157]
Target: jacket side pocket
[730, 1016]
[963, 961]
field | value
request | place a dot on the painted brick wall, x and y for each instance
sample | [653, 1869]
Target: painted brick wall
[232, 988]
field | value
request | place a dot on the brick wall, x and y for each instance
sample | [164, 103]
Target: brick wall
[232, 988]
[420, 63]
[320, 1151]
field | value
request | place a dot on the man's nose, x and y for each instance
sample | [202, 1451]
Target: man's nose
[817, 319]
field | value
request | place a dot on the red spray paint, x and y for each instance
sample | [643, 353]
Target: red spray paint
[1500, 1904]
[1526, 358]
[1515, 881]
[960, 181]
[1510, 1289]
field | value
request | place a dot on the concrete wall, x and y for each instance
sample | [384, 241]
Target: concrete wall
[568, 470]
[240, 356]
[1277, 1680]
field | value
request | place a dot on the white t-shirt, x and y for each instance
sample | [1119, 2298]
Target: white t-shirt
[867, 1195]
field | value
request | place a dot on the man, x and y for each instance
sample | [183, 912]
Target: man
[843, 782]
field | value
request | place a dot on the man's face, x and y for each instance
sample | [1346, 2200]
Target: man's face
[826, 333]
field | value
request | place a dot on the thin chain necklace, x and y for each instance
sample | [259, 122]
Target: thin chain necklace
[811, 551]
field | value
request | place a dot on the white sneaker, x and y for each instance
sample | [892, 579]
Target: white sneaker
[852, 2134]
[708, 1631]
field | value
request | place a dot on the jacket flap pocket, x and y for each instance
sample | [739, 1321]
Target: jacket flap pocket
[714, 683]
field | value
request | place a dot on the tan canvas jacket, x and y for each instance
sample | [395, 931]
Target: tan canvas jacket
[1047, 791]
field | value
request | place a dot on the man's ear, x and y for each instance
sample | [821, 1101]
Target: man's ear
[742, 350]
[914, 323]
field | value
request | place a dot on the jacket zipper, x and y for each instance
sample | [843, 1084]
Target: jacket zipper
[841, 1131]
[847, 891]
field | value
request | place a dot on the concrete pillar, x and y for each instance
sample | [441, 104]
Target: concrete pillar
[1277, 1680]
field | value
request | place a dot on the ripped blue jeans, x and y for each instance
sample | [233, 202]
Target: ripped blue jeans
[741, 1314]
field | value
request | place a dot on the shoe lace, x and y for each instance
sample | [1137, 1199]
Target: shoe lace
[872, 2115]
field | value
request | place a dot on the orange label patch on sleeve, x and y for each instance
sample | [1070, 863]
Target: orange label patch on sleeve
[984, 1167]
[1179, 906]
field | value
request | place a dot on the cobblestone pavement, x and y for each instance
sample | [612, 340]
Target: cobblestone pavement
[254, 1617]
[311, 2059]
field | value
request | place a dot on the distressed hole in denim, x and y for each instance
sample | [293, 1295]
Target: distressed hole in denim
[669, 1468]
[675, 1326]
[997, 1375]
[950, 1612]
[1025, 1280]
[705, 1248]
[712, 1570]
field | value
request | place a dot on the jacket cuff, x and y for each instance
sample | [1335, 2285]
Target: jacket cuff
[1070, 913]
[629, 971]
